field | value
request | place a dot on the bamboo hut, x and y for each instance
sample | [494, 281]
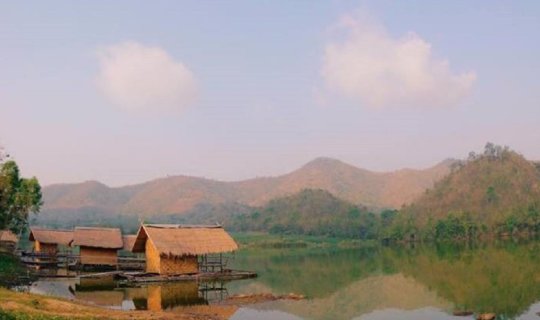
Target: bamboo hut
[128, 241]
[98, 246]
[48, 241]
[174, 249]
[8, 241]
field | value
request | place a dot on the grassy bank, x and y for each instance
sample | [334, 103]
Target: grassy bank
[26, 306]
[273, 241]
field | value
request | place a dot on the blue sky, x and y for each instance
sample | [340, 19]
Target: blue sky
[261, 87]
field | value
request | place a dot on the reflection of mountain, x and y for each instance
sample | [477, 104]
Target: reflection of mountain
[314, 273]
[367, 295]
[502, 278]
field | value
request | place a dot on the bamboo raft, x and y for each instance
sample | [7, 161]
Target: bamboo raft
[141, 277]
[71, 261]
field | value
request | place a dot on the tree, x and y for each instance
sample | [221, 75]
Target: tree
[18, 197]
[491, 195]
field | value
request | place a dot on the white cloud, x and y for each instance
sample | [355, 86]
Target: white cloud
[138, 77]
[364, 62]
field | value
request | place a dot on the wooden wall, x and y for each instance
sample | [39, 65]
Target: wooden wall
[99, 256]
[152, 258]
[50, 249]
[168, 266]
[7, 246]
[179, 265]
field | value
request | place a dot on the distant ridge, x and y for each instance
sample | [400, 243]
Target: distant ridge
[181, 194]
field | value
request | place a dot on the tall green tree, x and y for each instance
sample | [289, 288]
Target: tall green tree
[18, 197]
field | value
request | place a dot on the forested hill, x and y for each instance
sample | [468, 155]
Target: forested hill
[496, 191]
[309, 212]
[183, 194]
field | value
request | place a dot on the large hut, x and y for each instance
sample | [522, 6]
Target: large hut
[174, 249]
[8, 241]
[98, 246]
[49, 241]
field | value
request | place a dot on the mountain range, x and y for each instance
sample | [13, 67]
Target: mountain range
[183, 194]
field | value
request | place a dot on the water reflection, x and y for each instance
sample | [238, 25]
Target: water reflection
[343, 284]
[424, 282]
[108, 293]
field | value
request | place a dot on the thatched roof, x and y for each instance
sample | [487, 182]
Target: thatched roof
[129, 241]
[8, 236]
[51, 236]
[180, 240]
[108, 238]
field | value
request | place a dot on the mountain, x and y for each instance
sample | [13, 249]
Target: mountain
[311, 212]
[182, 194]
[497, 191]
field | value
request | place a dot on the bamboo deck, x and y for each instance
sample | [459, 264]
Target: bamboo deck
[129, 270]
[202, 276]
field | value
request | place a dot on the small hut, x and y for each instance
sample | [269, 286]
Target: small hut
[174, 249]
[98, 246]
[129, 241]
[48, 240]
[8, 241]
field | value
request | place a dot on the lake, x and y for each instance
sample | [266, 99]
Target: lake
[399, 282]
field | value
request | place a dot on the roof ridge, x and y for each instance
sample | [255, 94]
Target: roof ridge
[182, 226]
[96, 228]
[49, 229]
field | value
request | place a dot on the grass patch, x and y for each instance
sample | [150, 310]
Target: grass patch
[12, 315]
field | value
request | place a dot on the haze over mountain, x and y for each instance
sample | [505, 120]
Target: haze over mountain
[181, 194]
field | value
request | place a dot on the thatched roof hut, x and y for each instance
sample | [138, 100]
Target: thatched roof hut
[8, 236]
[129, 241]
[173, 249]
[48, 240]
[8, 240]
[99, 246]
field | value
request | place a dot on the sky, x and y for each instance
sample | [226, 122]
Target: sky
[127, 91]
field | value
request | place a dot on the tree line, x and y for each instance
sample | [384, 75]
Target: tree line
[19, 196]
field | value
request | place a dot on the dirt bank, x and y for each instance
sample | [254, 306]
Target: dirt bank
[14, 305]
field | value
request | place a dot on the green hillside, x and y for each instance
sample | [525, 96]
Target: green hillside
[495, 192]
[310, 212]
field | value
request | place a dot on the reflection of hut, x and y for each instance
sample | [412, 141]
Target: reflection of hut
[173, 249]
[8, 240]
[103, 283]
[138, 296]
[168, 296]
[99, 246]
[101, 298]
[48, 241]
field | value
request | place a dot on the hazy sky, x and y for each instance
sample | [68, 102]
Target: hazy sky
[126, 91]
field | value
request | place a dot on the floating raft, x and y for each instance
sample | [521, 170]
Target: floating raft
[204, 276]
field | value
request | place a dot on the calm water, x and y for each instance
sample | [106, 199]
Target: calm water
[422, 282]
